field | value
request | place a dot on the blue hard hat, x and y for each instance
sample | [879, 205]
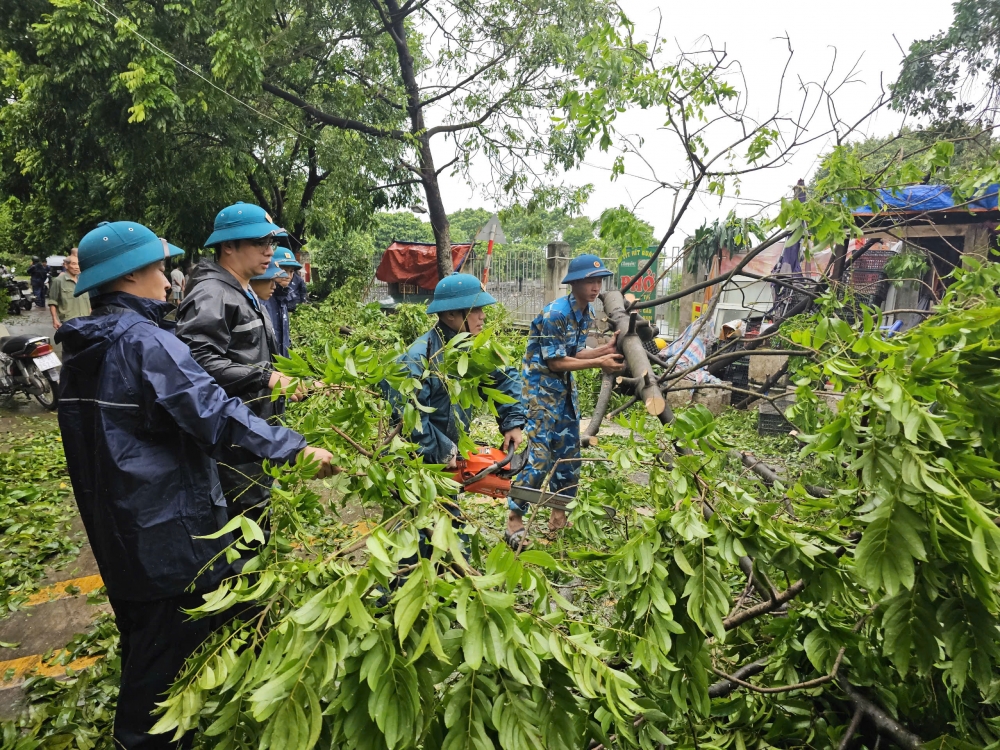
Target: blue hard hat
[460, 291]
[586, 267]
[273, 271]
[285, 257]
[243, 221]
[112, 250]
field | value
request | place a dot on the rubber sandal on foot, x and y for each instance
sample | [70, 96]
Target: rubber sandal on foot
[517, 540]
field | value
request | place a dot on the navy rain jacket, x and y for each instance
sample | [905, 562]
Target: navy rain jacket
[298, 292]
[437, 438]
[141, 423]
[278, 307]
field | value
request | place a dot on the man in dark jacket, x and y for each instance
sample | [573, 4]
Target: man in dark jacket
[298, 293]
[230, 334]
[141, 424]
[38, 272]
[282, 300]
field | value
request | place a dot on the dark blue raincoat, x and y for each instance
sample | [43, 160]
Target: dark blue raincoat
[141, 424]
[438, 436]
[278, 307]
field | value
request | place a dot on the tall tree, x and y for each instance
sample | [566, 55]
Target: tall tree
[480, 75]
[99, 119]
[956, 72]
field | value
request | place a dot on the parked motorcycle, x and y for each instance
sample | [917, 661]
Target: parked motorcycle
[20, 298]
[29, 366]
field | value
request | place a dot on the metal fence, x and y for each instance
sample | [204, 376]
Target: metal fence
[517, 280]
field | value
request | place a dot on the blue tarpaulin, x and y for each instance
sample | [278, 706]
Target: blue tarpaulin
[920, 198]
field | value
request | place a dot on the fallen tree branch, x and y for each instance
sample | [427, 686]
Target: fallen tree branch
[769, 475]
[884, 724]
[786, 688]
[851, 729]
[734, 621]
[724, 687]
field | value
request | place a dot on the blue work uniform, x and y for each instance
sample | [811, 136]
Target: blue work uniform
[553, 428]
[278, 308]
[437, 437]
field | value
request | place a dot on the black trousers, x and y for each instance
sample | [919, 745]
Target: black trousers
[156, 638]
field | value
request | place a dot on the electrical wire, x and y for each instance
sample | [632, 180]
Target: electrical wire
[129, 25]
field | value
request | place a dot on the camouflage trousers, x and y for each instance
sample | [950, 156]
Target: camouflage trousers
[553, 435]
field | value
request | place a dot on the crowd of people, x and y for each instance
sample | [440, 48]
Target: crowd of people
[167, 418]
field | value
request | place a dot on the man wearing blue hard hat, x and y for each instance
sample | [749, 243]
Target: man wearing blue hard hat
[282, 301]
[556, 349]
[458, 302]
[231, 336]
[265, 284]
[142, 426]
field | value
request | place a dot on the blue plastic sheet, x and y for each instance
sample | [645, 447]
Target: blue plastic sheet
[920, 198]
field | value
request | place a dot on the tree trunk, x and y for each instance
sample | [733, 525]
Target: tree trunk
[438, 216]
[427, 173]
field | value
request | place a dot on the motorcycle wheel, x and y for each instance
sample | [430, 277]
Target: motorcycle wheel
[14, 308]
[49, 396]
[26, 304]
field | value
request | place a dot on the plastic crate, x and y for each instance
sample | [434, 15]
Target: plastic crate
[771, 416]
[873, 260]
[739, 375]
[773, 424]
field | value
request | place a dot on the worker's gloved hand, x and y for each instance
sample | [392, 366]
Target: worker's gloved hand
[321, 456]
[611, 363]
[513, 437]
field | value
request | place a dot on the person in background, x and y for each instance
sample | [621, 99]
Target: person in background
[264, 284]
[142, 424]
[38, 272]
[298, 291]
[556, 348]
[64, 304]
[230, 334]
[281, 302]
[178, 281]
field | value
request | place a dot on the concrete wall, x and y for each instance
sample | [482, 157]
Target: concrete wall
[557, 257]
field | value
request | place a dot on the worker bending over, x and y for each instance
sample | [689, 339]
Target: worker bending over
[458, 301]
[556, 349]
[141, 424]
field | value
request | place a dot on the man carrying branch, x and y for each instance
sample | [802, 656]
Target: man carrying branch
[557, 348]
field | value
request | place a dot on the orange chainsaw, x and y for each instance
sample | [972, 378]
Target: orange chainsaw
[488, 471]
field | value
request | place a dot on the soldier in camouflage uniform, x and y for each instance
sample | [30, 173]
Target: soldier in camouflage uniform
[556, 348]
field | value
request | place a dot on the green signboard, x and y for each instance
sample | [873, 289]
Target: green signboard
[632, 259]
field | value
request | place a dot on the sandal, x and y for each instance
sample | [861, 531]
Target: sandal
[517, 540]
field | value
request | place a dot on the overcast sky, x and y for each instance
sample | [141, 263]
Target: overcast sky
[862, 33]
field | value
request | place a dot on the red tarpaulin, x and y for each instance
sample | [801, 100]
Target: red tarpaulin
[416, 263]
